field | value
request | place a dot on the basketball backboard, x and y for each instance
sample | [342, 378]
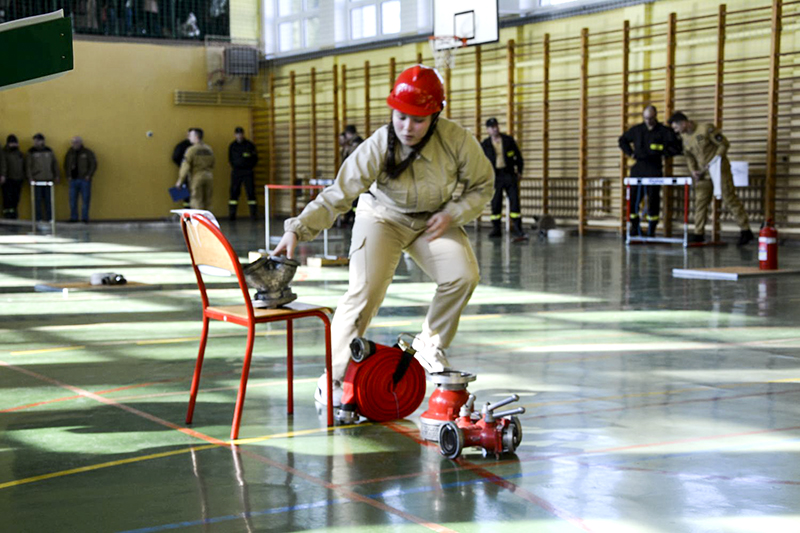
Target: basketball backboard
[474, 20]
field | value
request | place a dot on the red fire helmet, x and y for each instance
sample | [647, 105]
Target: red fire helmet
[418, 91]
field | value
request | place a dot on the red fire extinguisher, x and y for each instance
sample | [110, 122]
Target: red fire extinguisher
[768, 247]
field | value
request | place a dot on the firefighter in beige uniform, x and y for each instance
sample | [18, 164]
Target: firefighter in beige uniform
[701, 143]
[197, 166]
[406, 206]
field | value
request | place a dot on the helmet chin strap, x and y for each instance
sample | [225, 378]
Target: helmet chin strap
[431, 128]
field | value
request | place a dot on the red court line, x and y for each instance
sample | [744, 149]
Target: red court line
[502, 483]
[108, 391]
[530, 459]
[526, 495]
[212, 440]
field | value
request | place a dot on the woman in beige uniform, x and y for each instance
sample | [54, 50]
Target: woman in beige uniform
[406, 174]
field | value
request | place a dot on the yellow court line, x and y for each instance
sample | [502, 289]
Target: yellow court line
[160, 455]
[98, 466]
[48, 350]
[192, 339]
[298, 433]
[153, 341]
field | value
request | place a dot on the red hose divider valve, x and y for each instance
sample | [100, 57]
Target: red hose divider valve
[495, 433]
[382, 383]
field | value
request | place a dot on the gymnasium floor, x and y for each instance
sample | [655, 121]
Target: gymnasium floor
[654, 404]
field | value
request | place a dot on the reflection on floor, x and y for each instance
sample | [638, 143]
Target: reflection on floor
[653, 403]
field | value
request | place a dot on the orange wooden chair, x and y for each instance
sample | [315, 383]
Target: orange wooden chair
[209, 247]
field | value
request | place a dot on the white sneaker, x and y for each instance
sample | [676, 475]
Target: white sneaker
[321, 394]
[432, 358]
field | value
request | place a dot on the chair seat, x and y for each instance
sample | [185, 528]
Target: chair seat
[266, 315]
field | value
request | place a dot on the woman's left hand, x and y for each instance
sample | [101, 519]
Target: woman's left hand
[438, 224]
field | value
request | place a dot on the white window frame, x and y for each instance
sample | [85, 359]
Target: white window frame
[415, 19]
[301, 17]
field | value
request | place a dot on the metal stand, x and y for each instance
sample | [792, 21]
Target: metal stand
[50, 184]
[316, 184]
[636, 239]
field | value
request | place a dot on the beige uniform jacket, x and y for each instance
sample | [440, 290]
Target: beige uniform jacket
[452, 156]
[198, 159]
[41, 165]
[703, 145]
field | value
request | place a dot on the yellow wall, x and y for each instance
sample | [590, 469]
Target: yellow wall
[117, 93]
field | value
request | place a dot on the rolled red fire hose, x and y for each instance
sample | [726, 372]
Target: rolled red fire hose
[370, 384]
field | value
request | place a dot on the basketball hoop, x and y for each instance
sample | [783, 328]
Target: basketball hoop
[444, 50]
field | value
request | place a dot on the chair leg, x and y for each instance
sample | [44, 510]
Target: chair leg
[290, 366]
[237, 413]
[329, 367]
[197, 368]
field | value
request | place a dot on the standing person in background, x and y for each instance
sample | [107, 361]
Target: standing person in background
[652, 142]
[507, 161]
[197, 167]
[12, 175]
[351, 141]
[243, 157]
[180, 149]
[177, 157]
[79, 167]
[701, 144]
[41, 165]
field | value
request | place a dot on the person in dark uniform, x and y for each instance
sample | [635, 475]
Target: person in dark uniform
[41, 165]
[80, 165]
[506, 159]
[243, 157]
[177, 157]
[648, 143]
[12, 176]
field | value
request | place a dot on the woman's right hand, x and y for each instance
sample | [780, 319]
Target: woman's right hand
[287, 245]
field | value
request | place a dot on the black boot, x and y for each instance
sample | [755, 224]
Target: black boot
[253, 212]
[651, 228]
[745, 237]
[232, 212]
[496, 232]
[697, 237]
[636, 230]
[516, 230]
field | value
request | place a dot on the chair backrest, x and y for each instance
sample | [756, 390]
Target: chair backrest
[208, 246]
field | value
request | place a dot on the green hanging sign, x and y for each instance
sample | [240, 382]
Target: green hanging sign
[35, 49]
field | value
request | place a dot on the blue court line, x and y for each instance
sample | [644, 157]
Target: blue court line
[391, 493]
[218, 519]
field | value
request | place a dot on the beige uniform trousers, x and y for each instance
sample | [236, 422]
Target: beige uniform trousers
[200, 189]
[704, 194]
[380, 236]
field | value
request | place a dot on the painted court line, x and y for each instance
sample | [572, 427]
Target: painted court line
[109, 391]
[129, 460]
[516, 490]
[212, 440]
